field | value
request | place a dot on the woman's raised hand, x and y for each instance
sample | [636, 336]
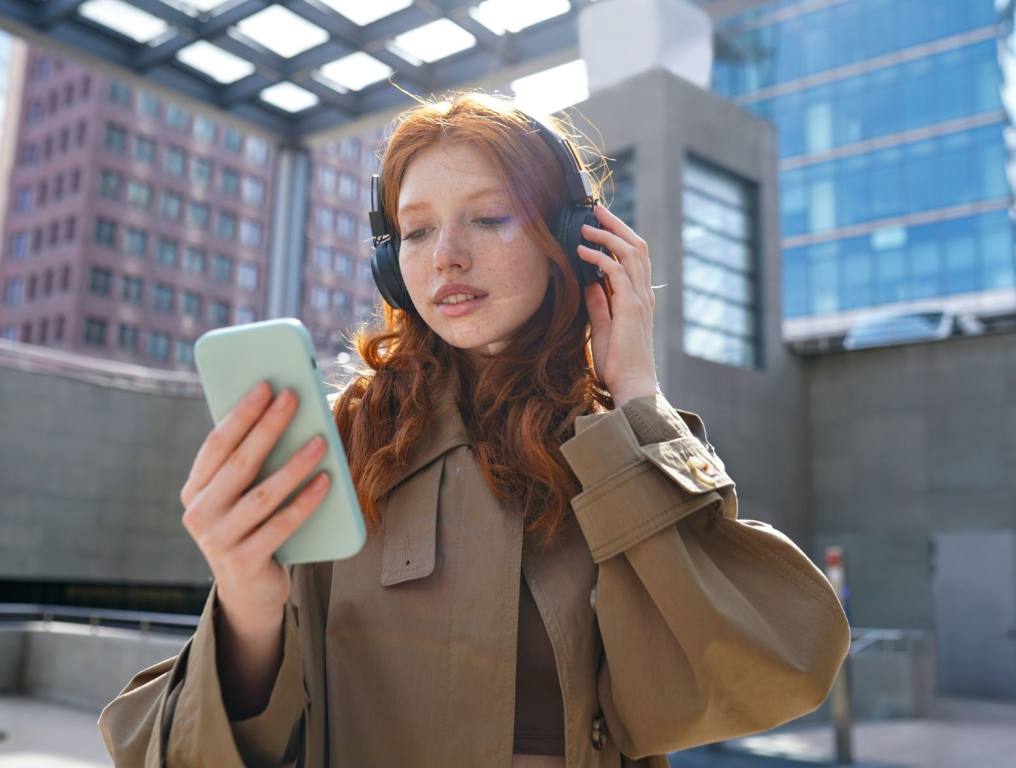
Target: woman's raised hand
[234, 528]
[622, 329]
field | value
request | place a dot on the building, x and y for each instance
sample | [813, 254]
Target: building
[136, 223]
[891, 124]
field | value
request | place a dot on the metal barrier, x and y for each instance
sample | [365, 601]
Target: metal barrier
[143, 621]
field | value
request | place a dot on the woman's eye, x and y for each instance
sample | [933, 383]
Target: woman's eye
[493, 221]
[416, 234]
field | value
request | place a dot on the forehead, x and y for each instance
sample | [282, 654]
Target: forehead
[449, 171]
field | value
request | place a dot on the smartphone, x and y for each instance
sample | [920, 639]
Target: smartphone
[230, 361]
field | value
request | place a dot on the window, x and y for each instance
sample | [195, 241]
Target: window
[319, 297]
[158, 345]
[245, 315]
[177, 117]
[225, 225]
[192, 304]
[323, 257]
[198, 214]
[250, 232]
[364, 311]
[29, 154]
[139, 193]
[253, 190]
[366, 276]
[346, 226]
[349, 148]
[348, 186]
[144, 149]
[9, 332]
[33, 283]
[194, 260]
[80, 133]
[233, 139]
[218, 312]
[132, 289]
[119, 94]
[75, 180]
[95, 332]
[341, 301]
[65, 139]
[148, 104]
[222, 268]
[70, 228]
[65, 283]
[170, 204]
[719, 266]
[40, 69]
[622, 176]
[54, 233]
[174, 160]
[247, 276]
[204, 129]
[105, 232]
[14, 290]
[100, 281]
[327, 178]
[162, 301]
[127, 337]
[324, 218]
[137, 242]
[23, 199]
[116, 138]
[166, 252]
[41, 194]
[201, 171]
[185, 351]
[257, 150]
[58, 187]
[19, 246]
[229, 181]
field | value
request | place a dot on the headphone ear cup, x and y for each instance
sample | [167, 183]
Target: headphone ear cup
[567, 229]
[384, 266]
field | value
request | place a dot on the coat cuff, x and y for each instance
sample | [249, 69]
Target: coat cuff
[198, 733]
[642, 467]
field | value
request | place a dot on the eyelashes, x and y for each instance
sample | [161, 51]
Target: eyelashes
[484, 222]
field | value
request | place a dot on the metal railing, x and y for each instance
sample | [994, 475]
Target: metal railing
[143, 621]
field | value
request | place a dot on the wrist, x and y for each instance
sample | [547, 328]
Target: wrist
[258, 627]
[630, 393]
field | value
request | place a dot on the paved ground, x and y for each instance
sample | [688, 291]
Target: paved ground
[962, 734]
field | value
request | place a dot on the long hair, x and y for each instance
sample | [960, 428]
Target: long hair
[518, 406]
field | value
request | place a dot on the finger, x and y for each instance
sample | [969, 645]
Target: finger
[259, 502]
[626, 254]
[617, 225]
[271, 534]
[224, 438]
[620, 281]
[242, 465]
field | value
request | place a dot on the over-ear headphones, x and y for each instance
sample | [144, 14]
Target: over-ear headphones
[566, 224]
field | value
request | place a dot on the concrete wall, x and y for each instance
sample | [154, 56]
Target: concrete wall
[906, 442]
[754, 416]
[76, 664]
[91, 468]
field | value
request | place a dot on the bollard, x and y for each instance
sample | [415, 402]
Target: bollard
[839, 698]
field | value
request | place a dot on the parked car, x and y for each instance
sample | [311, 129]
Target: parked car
[883, 330]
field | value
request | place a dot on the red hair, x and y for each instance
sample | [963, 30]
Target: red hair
[518, 406]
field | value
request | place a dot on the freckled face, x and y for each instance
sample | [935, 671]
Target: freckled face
[458, 225]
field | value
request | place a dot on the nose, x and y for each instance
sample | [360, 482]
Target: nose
[450, 251]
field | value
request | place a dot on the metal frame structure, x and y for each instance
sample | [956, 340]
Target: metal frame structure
[59, 21]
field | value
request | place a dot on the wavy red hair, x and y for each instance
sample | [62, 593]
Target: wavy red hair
[518, 406]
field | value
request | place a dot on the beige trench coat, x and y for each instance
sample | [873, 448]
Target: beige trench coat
[673, 622]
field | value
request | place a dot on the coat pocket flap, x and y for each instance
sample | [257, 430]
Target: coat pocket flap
[410, 527]
[690, 463]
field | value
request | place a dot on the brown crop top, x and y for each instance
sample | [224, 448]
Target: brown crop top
[539, 707]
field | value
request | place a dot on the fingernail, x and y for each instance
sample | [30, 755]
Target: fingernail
[256, 393]
[320, 482]
[282, 400]
[313, 446]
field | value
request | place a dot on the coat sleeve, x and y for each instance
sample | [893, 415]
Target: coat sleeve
[172, 713]
[712, 627]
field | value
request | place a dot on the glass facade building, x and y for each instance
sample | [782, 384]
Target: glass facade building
[892, 126]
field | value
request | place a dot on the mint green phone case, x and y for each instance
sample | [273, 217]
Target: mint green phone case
[230, 361]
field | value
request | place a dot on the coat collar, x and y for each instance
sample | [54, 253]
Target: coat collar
[445, 431]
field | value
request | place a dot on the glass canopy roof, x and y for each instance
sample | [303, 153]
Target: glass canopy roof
[302, 67]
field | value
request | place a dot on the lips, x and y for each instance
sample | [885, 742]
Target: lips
[451, 289]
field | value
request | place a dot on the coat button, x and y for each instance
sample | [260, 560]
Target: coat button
[703, 471]
[592, 598]
[599, 734]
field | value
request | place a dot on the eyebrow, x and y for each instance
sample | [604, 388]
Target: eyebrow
[485, 192]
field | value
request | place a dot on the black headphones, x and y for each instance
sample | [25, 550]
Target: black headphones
[566, 224]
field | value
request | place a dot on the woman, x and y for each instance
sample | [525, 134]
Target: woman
[555, 576]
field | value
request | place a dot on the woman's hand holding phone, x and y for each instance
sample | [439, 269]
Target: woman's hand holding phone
[238, 531]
